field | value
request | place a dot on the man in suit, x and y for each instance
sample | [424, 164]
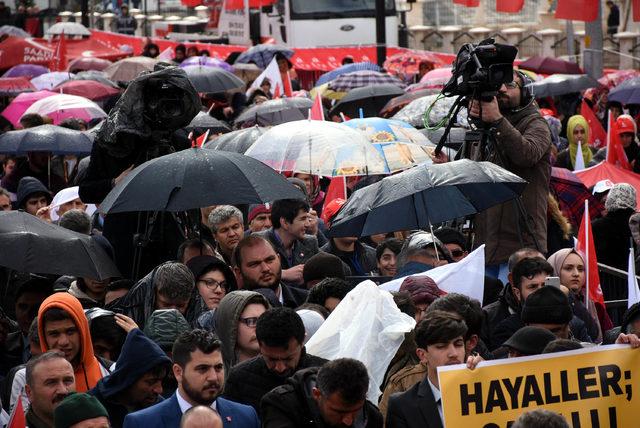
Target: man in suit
[440, 339]
[199, 370]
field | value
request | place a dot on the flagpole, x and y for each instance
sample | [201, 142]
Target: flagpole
[586, 240]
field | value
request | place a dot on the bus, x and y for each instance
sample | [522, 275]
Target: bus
[305, 23]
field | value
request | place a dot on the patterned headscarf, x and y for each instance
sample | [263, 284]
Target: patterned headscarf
[622, 196]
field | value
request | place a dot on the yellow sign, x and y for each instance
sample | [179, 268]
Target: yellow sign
[590, 387]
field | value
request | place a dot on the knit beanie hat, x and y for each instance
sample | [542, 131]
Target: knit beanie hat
[257, 209]
[622, 196]
[422, 289]
[323, 265]
[77, 408]
[547, 305]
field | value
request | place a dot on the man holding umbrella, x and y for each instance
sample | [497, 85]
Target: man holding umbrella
[522, 145]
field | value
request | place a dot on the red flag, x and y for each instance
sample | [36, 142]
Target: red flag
[17, 419]
[317, 112]
[615, 151]
[578, 10]
[276, 92]
[509, 6]
[286, 81]
[59, 60]
[468, 3]
[337, 190]
[597, 134]
[201, 139]
[636, 10]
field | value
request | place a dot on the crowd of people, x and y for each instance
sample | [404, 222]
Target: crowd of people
[210, 329]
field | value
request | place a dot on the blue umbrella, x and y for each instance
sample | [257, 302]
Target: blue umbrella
[262, 55]
[426, 195]
[347, 68]
[46, 138]
[628, 92]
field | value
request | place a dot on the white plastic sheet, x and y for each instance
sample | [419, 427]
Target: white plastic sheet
[366, 325]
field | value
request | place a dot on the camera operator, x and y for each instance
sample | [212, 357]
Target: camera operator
[140, 127]
[521, 143]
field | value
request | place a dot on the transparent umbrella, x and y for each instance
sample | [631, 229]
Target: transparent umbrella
[318, 148]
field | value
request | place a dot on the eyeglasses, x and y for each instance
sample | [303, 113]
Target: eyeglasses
[249, 322]
[212, 284]
[512, 85]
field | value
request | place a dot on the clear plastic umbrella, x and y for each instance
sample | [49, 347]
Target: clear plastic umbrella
[51, 80]
[63, 106]
[318, 148]
[68, 29]
[414, 112]
[128, 68]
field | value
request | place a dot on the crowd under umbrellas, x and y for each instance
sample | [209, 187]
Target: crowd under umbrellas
[267, 211]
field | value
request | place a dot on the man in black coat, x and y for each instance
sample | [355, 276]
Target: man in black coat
[440, 340]
[333, 395]
[280, 334]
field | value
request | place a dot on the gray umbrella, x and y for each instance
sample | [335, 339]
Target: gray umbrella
[204, 122]
[426, 195]
[46, 138]
[32, 245]
[562, 84]
[236, 141]
[212, 79]
[195, 178]
[275, 112]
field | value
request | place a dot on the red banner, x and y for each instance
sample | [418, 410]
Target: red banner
[636, 10]
[467, 3]
[577, 10]
[509, 6]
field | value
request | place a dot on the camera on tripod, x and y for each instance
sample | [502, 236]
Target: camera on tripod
[480, 70]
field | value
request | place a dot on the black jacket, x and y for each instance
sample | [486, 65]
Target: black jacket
[361, 262]
[139, 355]
[414, 408]
[292, 406]
[497, 311]
[611, 237]
[250, 380]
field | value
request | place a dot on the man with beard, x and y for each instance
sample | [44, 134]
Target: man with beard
[49, 380]
[440, 339]
[280, 333]
[257, 266]
[521, 143]
[198, 368]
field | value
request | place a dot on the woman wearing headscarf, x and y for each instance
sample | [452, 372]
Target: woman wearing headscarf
[577, 134]
[611, 233]
[569, 266]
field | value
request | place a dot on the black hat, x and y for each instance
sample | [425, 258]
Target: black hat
[323, 265]
[530, 340]
[547, 305]
[629, 317]
[200, 265]
[29, 186]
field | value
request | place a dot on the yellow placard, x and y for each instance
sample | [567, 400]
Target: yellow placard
[590, 387]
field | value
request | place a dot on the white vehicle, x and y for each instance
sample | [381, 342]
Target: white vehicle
[308, 23]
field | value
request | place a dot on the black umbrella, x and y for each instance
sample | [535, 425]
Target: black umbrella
[275, 112]
[32, 245]
[236, 141]
[212, 79]
[426, 195]
[371, 99]
[203, 122]
[46, 138]
[562, 84]
[195, 178]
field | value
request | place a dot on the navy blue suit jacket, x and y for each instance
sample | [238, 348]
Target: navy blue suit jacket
[167, 414]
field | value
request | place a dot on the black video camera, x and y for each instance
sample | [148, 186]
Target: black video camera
[480, 70]
[165, 105]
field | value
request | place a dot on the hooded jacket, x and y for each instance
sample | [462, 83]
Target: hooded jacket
[227, 315]
[496, 312]
[139, 355]
[140, 302]
[522, 146]
[29, 186]
[87, 371]
[293, 405]
[164, 326]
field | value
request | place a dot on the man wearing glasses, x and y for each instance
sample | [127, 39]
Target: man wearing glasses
[521, 143]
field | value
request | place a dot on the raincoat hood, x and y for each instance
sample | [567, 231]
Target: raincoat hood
[164, 326]
[29, 186]
[227, 315]
[127, 119]
[573, 144]
[87, 371]
[138, 356]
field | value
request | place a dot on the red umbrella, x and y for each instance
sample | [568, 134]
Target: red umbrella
[548, 65]
[608, 171]
[408, 63]
[88, 63]
[87, 88]
[12, 86]
[617, 77]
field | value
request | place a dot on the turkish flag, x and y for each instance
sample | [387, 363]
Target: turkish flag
[467, 3]
[597, 134]
[59, 59]
[509, 6]
[17, 419]
[578, 10]
[636, 10]
[615, 151]
[317, 112]
[337, 190]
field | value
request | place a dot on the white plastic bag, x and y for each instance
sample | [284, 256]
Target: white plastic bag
[367, 326]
